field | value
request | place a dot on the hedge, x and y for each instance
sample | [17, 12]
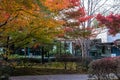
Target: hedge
[103, 68]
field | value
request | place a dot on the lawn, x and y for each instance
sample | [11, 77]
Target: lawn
[46, 69]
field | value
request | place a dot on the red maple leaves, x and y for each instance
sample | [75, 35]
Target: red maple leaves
[68, 29]
[112, 22]
[85, 18]
[74, 19]
[74, 2]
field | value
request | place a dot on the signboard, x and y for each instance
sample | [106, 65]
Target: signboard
[113, 55]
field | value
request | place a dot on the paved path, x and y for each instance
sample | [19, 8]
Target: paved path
[52, 77]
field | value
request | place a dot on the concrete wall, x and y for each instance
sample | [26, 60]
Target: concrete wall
[106, 37]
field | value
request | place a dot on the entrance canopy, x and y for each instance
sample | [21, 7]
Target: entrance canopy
[117, 42]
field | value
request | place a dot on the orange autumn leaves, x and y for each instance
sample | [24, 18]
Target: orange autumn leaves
[27, 19]
[55, 5]
[12, 10]
[4, 16]
[21, 13]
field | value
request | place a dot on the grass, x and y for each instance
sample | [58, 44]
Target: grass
[46, 69]
[21, 71]
[50, 65]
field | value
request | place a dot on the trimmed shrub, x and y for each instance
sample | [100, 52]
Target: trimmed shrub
[103, 68]
[64, 57]
[117, 61]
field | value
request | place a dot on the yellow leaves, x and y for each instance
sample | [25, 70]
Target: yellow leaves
[27, 11]
[10, 8]
[9, 5]
[51, 23]
[55, 5]
[17, 5]
[35, 7]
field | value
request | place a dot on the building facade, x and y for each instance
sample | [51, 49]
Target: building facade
[108, 45]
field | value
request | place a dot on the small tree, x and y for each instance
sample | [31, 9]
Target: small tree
[75, 27]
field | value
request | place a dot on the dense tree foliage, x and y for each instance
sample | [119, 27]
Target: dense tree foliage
[28, 22]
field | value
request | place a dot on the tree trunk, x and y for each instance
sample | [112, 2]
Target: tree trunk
[42, 55]
[65, 65]
[84, 46]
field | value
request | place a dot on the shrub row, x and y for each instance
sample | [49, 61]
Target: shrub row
[102, 69]
[81, 63]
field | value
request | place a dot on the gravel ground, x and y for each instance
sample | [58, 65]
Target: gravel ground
[51, 77]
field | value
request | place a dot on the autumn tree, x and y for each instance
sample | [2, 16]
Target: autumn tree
[80, 17]
[75, 18]
[27, 22]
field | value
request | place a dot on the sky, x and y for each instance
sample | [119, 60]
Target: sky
[102, 5]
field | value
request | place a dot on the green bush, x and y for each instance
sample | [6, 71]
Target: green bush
[26, 62]
[5, 70]
[103, 68]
